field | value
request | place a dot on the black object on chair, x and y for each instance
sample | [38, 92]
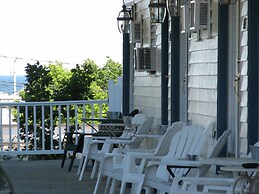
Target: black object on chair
[78, 148]
[133, 113]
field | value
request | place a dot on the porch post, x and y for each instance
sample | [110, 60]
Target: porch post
[164, 72]
[253, 62]
[222, 98]
[126, 75]
[175, 69]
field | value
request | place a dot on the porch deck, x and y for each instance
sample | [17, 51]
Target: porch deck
[45, 176]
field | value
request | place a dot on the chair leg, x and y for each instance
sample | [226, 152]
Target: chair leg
[94, 170]
[64, 158]
[123, 187]
[71, 163]
[113, 186]
[136, 188]
[80, 165]
[97, 184]
[107, 185]
[147, 190]
[78, 148]
[83, 168]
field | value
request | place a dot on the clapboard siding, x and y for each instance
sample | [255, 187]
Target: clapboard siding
[147, 87]
[155, 102]
[203, 108]
[147, 95]
[243, 81]
[202, 72]
[203, 56]
[204, 44]
[147, 80]
[145, 91]
[202, 120]
[205, 82]
[203, 69]
[203, 95]
[202, 81]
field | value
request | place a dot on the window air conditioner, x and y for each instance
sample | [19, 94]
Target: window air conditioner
[198, 14]
[194, 15]
[146, 59]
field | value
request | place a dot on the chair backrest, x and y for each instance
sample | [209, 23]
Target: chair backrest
[143, 129]
[189, 140]
[145, 126]
[139, 118]
[219, 144]
[164, 143]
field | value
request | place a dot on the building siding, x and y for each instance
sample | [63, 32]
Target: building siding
[202, 72]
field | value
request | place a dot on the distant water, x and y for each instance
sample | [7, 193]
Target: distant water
[7, 83]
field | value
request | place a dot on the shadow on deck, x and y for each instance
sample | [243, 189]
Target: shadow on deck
[46, 176]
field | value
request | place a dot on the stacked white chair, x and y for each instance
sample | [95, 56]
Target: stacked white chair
[91, 151]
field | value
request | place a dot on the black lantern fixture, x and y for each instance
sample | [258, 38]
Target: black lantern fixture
[157, 11]
[173, 7]
[227, 2]
[124, 19]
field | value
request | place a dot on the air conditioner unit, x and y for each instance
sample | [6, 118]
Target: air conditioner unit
[146, 59]
[198, 14]
[194, 15]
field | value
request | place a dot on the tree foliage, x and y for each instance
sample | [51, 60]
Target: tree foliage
[55, 83]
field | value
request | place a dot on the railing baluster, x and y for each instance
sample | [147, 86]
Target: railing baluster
[92, 116]
[35, 127]
[59, 127]
[101, 110]
[10, 127]
[76, 121]
[51, 128]
[18, 128]
[1, 129]
[83, 116]
[68, 119]
[43, 126]
[26, 128]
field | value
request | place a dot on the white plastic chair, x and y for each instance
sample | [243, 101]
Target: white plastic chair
[191, 140]
[129, 169]
[91, 151]
[216, 184]
[210, 181]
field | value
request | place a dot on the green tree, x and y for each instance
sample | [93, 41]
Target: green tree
[54, 83]
[111, 70]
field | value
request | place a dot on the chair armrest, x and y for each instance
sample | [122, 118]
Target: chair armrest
[178, 163]
[154, 136]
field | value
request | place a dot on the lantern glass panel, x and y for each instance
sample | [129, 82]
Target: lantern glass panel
[157, 11]
[124, 19]
[173, 7]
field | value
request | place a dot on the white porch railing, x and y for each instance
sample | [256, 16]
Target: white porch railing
[28, 128]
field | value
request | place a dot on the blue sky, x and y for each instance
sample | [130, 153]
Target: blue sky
[69, 31]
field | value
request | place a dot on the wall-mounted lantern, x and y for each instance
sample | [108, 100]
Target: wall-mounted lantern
[173, 7]
[157, 11]
[227, 2]
[123, 20]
